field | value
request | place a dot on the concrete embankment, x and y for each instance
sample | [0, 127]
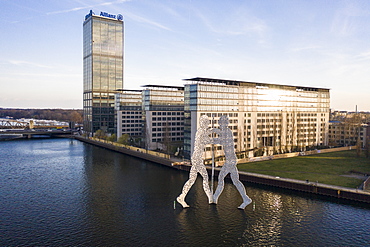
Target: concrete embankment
[307, 186]
[135, 152]
[292, 184]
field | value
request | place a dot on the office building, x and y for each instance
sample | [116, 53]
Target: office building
[347, 134]
[129, 115]
[163, 113]
[349, 129]
[265, 118]
[102, 69]
[153, 118]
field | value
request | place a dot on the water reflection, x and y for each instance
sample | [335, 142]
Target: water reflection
[204, 224]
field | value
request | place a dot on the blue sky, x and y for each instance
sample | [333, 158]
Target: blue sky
[305, 43]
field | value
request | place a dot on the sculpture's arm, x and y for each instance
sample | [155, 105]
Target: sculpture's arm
[213, 139]
[216, 130]
[217, 141]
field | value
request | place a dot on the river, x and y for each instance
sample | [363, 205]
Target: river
[62, 192]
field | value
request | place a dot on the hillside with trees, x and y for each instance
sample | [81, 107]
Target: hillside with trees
[67, 115]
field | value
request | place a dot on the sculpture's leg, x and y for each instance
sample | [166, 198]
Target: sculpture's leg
[220, 185]
[192, 177]
[240, 187]
[181, 199]
[203, 172]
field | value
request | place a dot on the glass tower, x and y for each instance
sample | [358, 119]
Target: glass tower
[102, 69]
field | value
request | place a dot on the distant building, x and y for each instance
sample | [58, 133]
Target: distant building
[349, 129]
[102, 69]
[363, 117]
[163, 113]
[265, 118]
[347, 134]
[153, 117]
[130, 114]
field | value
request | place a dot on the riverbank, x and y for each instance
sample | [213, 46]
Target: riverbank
[342, 193]
[343, 168]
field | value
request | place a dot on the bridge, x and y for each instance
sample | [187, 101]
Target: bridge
[14, 133]
[6, 123]
[13, 124]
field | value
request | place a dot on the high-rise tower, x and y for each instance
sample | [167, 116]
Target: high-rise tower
[103, 69]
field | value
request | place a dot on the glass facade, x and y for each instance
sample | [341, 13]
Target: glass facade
[265, 118]
[103, 71]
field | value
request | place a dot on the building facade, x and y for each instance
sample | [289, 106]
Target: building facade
[265, 118]
[130, 115]
[347, 134]
[102, 69]
[349, 129]
[163, 113]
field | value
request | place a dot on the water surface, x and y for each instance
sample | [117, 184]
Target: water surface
[61, 192]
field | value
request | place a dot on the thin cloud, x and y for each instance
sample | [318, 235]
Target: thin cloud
[147, 21]
[305, 48]
[85, 7]
[36, 76]
[19, 63]
[240, 23]
[345, 22]
[363, 56]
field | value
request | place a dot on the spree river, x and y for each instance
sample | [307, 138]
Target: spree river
[62, 192]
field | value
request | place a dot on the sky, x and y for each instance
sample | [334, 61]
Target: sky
[311, 43]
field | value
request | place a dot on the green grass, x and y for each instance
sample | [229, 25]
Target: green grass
[327, 168]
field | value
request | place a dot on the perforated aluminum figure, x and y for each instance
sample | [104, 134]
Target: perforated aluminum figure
[202, 138]
[227, 141]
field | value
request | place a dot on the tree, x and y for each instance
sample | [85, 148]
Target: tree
[48, 114]
[112, 138]
[124, 139]
[367, 149]
[138, 142]
[74, 116]
[100, 134]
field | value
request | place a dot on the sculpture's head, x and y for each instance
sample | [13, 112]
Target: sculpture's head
[223, 121]
[203, 121]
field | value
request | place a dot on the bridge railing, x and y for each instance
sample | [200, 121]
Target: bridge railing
[12, 124]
